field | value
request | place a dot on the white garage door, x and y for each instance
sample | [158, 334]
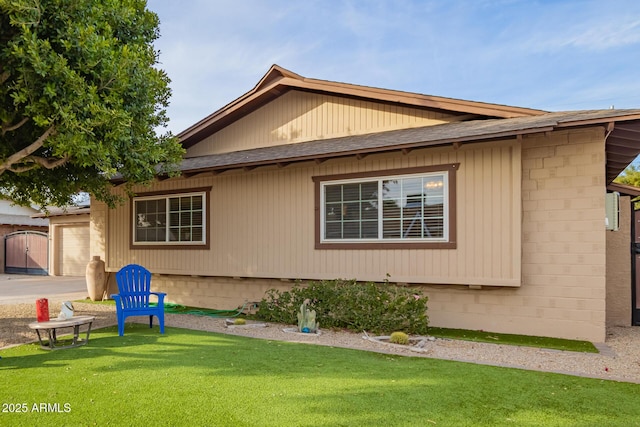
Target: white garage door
[73, 250]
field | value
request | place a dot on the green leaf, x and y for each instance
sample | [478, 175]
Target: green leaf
[88, 68]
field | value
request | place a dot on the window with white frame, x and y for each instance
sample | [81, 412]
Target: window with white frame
[396, 208]
[176, 219]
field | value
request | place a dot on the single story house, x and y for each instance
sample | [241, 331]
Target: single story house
[496, 212]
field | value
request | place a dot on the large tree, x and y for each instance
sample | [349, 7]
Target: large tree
[81, 99]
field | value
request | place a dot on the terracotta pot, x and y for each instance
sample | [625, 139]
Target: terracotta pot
[95, 279]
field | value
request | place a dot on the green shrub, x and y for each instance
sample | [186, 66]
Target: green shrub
[358, 306]
[399, 338]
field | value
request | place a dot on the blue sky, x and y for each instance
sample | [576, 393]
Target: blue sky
[551, 55]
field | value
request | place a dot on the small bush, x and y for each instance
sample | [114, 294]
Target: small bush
[373, 307]
[399, 338]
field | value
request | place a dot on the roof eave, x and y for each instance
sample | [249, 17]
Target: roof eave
[361, 153]
[624, 189]
[616, 160]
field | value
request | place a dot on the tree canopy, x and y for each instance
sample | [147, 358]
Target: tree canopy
[630, 176]
[81, 99]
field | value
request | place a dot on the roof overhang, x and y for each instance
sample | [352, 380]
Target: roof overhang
[622, 135]
[23, 220]
[622, 146]
[65, 211]
[624, 189]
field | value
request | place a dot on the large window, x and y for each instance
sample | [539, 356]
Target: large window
[175, 219]
[398, 208]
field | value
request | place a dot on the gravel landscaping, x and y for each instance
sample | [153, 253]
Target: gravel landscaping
[619, 357]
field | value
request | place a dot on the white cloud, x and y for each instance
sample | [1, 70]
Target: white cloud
[594, 35]
[519, 52]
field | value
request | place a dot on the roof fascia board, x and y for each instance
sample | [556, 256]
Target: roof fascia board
[416, 99]
[625, 189]
[598, 121]
[274, 73]
[227, 110]
[265, 84]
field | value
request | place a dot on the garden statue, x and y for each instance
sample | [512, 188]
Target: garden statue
[307, 319]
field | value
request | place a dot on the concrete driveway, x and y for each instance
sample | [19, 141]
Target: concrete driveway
[23, 289]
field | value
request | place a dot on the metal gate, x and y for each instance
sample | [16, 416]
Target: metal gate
[26, 252]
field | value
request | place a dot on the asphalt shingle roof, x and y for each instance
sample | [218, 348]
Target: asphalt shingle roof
[463, 132]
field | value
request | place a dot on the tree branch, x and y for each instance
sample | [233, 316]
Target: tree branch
[14, 127]
[38, 161]
[27, 151]
[4, 77]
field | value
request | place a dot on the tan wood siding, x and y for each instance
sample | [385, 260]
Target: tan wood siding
[549, 230]
[73, 249]
[300, 116]
[262, 224]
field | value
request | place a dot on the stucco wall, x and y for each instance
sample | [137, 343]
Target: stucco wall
[564, 235]
[563, 248]
[619, 269]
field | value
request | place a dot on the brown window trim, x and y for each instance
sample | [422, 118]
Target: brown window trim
[169, 245]
[450, 244]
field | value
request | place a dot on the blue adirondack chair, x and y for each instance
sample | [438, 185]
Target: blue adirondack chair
[134, 285]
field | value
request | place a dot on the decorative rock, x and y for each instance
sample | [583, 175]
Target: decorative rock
[316, 333]
[230, 324]
[417, 344]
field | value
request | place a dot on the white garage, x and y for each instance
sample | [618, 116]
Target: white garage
[69, 241]
[73, 249]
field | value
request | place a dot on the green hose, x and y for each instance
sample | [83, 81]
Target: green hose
[181, 309]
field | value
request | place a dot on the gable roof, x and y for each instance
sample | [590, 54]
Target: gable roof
[480, 122]
[622, 142]
[279, 80]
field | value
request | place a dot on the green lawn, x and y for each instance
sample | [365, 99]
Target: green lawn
[203, 379]
[511, 339]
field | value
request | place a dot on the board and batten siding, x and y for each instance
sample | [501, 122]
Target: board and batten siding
[262, 224]
[301, 116]
[530, 213]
